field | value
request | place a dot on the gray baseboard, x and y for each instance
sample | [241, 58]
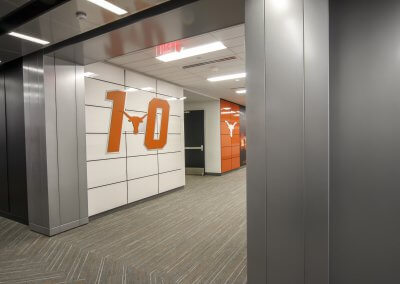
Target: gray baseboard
[57, 230]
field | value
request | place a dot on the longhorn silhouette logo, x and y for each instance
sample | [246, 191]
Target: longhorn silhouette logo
[136, 121]
[231, 127]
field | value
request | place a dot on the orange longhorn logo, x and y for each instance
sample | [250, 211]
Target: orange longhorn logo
[118, 112]
[136, 121]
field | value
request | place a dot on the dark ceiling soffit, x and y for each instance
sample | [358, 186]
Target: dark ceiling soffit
[27, 12]
[153, 11]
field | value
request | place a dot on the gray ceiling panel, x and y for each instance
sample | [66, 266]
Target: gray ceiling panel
[7, 6]
[62, 23]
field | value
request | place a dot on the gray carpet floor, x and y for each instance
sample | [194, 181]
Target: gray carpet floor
[193, 235]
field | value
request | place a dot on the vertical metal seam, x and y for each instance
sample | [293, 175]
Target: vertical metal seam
[265, 138]
[126, 152]
[304, 154]
[329, 144]
[77, 143]
[58, 156]
[158, 161]
[6, 140]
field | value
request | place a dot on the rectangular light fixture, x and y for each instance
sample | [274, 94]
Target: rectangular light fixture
[176, 99]
[109, 6]
[243, 91]
[89, 74]
[227, 77]
[131, 90]
[194, 51]
[148, 89]
[29, 38]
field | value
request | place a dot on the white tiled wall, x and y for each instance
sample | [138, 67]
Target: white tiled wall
[135, 173]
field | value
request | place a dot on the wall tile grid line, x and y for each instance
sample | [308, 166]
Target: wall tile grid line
[134, 173]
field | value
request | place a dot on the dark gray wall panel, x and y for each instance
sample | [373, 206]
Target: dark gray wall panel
[287, 58]
[284, 141]
[16, 140]
[365, 141]
[256, 141]
[316, 140]
[4, 206]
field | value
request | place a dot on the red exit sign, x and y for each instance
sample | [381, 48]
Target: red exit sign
[170, 47]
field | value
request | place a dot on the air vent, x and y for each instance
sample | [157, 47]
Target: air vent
[209, 62]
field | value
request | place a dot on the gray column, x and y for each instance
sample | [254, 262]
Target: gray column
[288, 164]
[56, 154]
[365, 141]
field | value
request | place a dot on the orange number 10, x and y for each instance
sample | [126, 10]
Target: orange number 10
[114, 140]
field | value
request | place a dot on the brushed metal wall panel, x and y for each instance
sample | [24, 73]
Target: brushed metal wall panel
[4, 206]
[56, 154]
[316, 140]
[68, 173]
[256, 143]
[16, 140]
[35, 134]
[365, 141]
[284, 142]
[51, 141]
[288, 148]
[81, 140]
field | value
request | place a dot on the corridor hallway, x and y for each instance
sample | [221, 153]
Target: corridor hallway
[193, 235]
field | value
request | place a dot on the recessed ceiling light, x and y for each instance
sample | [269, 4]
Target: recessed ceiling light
[175, 99]
[189, 52]
[227, 77]
[90, 74]
[131, 89]
[109, 6]
[242, 91]
[30, 38]
[147, 89]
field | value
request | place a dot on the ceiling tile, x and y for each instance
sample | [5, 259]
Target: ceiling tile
[237, 41]
[196, 78]
[238, 49]
[242, 56]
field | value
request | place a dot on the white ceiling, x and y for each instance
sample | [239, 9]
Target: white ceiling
[195, 78]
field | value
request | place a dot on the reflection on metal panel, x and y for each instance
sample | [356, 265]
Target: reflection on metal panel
[183, 22]
[63, 22]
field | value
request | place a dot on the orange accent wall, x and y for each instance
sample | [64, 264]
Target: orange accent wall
[230, 146]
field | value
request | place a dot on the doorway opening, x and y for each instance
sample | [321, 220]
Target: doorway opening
[190, 192]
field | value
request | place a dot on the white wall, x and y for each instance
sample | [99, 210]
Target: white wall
[212, 133]
[116, 179]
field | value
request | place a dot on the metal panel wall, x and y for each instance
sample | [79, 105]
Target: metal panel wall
[35, 133]
[256, 139]
[56, 149]
[288, 157]
[316, 140]
[365, 141]
[3, 149]
[66, 140]
[16, 141]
